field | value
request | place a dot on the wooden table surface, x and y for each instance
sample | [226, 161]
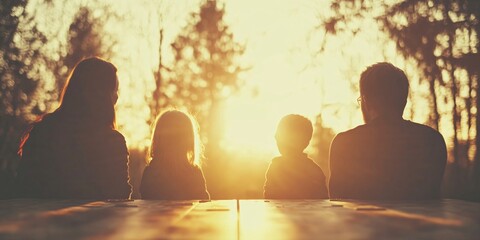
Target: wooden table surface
[232, 219]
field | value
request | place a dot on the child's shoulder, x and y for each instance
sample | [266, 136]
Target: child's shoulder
[314, 167]
[281, 160]
[277, 159]
[276, 162]
[313, 163]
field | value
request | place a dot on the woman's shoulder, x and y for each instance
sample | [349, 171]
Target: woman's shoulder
[113, 138]
[39, 130]
[105, 135]
[43, 123]
[116, 135]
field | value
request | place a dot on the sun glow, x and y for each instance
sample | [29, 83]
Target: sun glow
[281, 80]
[248, 126]
[286, 72]
[286, 75]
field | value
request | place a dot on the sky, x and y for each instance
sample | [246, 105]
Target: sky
[281, 42]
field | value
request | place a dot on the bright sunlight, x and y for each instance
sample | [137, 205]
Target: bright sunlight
[285, 74]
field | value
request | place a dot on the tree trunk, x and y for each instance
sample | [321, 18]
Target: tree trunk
[436, 115]
[156, 103]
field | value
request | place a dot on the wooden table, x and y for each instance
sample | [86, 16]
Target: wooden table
[232, 219]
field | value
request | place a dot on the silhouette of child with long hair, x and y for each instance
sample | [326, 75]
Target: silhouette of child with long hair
[293, 175]
[75, 151]
[174, 171]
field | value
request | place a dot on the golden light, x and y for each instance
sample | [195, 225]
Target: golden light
[287, 74]
[379, 210]
[264, 221]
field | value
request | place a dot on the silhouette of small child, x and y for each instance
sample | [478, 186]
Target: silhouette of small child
[294, 175]
[174, 171]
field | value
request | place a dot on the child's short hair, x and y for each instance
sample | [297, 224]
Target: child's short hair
[295, 131]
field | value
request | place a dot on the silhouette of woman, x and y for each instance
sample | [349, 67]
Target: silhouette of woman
[174, 171]
[75, 151]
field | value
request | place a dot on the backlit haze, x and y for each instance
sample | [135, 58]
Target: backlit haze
[286, 72]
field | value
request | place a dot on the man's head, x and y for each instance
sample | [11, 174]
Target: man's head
[384, 91]
[293, 134]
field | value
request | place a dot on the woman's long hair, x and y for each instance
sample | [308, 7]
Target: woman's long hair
[88, 98]
[174, 138]
[90, 93]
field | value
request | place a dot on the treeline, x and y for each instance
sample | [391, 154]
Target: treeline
[31, 75]
[441, 39]
[34, 65]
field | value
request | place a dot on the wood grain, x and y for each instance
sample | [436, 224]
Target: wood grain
[232, 219]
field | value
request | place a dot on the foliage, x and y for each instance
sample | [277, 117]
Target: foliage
[441, 38]
[84, 39]
[206, 71]
[24, 65]
[206, 67]
[20, 56]
[159, 98]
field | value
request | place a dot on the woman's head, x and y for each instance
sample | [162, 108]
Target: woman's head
[91, 93]
[175, 136]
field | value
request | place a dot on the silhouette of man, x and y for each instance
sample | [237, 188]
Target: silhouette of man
[387, 157]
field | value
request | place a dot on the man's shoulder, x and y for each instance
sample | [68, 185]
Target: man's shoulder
[421, 127]
[351, 133]
[356, 130]
[406, 125]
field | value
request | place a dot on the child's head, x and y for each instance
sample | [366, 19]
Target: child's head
[293, 134]
[175, 136]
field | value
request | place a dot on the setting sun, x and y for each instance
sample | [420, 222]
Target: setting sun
[282, 76]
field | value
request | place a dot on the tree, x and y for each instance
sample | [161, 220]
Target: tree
[84, 39]
[206, 71]
[159, 99]
[206, 65]
[20, 54]
[442, 39]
